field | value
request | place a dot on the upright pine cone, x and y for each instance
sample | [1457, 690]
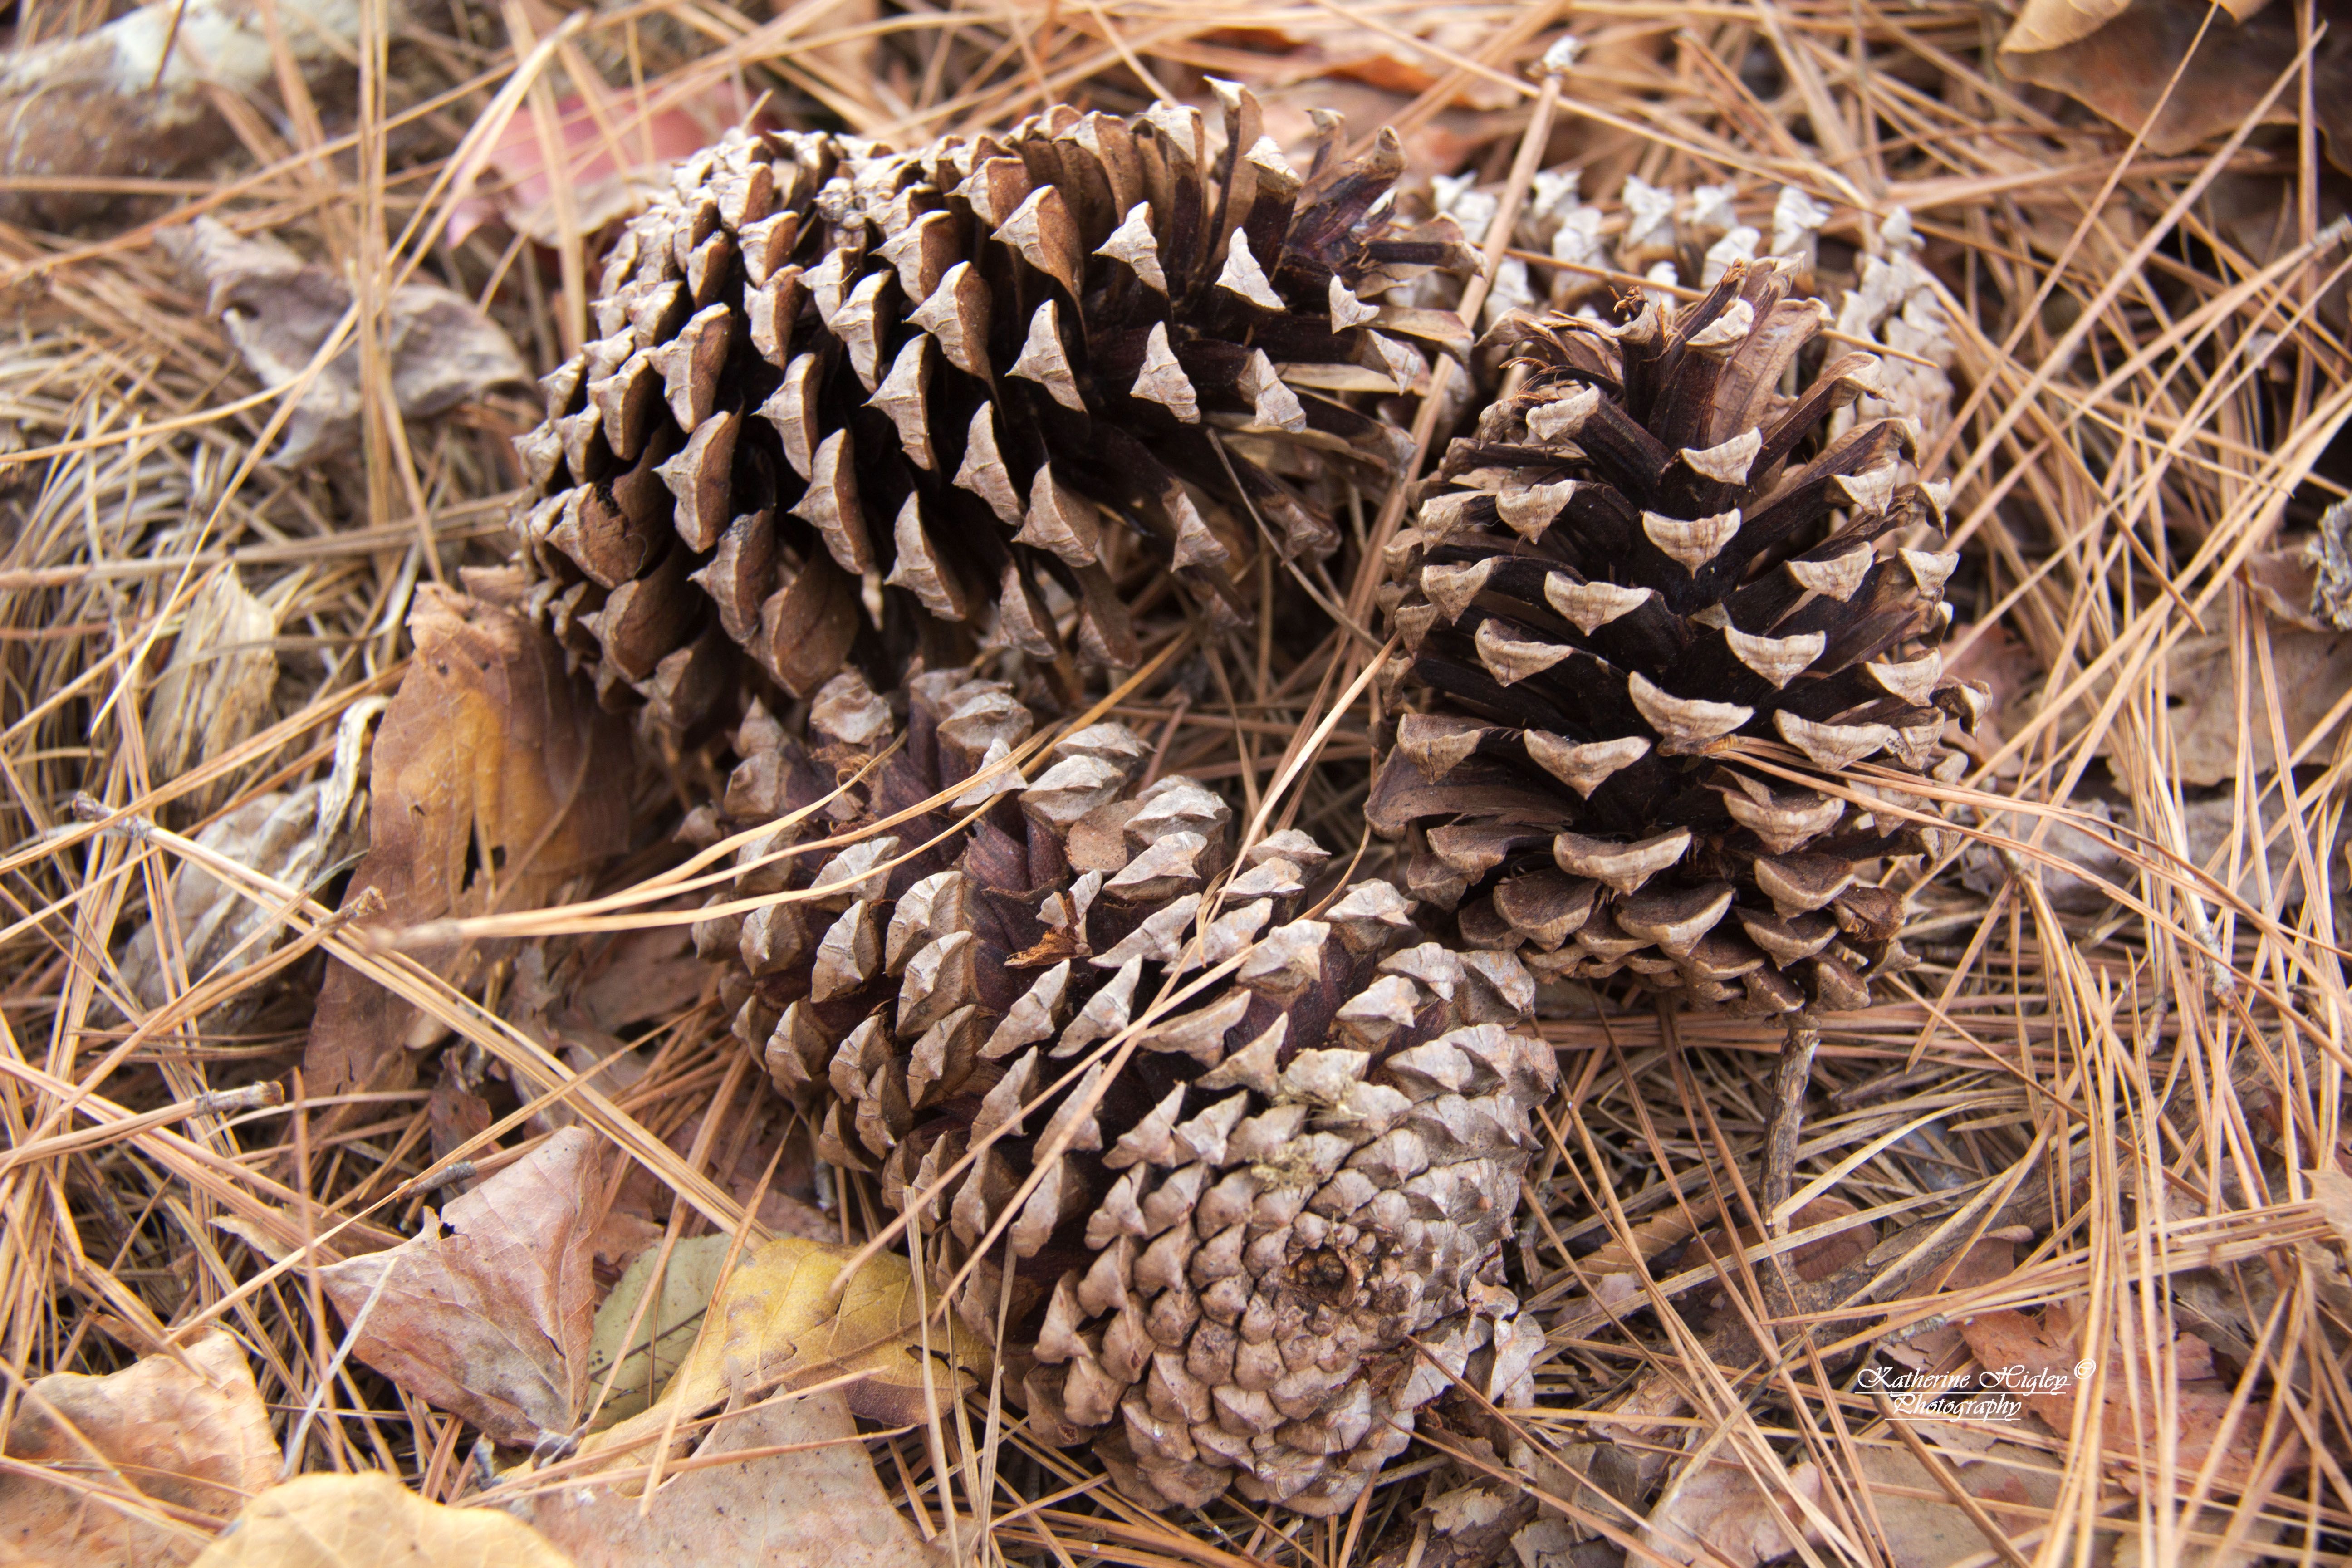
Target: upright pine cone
[1236, 1181]
[1633, 604]
[849, 402]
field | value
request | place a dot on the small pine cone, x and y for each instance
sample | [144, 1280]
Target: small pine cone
[1631, 582]
[853, 403]
[1226, 1234]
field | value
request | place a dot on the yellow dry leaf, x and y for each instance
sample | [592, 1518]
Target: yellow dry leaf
[372, 1521]
[666, 1331]
[771, 1328]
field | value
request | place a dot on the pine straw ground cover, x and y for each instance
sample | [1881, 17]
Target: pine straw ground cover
[2099, 1123]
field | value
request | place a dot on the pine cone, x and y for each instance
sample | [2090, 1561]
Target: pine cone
[1228, 1233]
[853, 404]
[1692, 237]
[1625, 586]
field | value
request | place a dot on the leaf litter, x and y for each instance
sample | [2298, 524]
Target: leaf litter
[2082, 1116]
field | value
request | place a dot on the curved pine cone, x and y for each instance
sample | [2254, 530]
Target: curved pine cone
[853, 403]
[1236, 1178]
[1638, 576]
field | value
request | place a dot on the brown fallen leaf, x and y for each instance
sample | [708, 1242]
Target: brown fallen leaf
[2090, 857]
[819, 1506]
[2314, 670]
[2119, 58]
[497, 781]
[454, 1114]
[277, 309]
[185, 1432]
[1989, 656]
[2136, 1549]
[1990, 1260]
[1718, 1513]
[2016, 1486]
[2043, 1371]
[771, 1327]
[487, 1311]
[370, 1521]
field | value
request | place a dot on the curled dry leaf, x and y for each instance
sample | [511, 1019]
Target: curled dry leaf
[818, 1506]
[496, 782]
[372, 1521]
[487, 1311]
[169, 1433]
[2198, 1425]
[2120, 59]
[2048, 23]
[2092, 853]
[277, 310]
[1469, 1526]
[771, 1327]
[215, 690]
[293, 837]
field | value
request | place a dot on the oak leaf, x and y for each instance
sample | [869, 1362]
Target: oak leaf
[372, 1521]
[497, 781]
[487, 1311]
[186, 1432]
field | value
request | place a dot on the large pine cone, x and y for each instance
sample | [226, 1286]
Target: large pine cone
[854, 402]
[1228, 1226]
[1629, 583]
